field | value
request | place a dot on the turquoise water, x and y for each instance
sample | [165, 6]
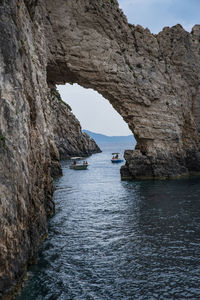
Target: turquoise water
[111, 240]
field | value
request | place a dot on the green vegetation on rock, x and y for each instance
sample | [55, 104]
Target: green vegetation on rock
[56, 93]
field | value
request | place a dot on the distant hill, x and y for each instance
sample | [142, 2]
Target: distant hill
[101, 138]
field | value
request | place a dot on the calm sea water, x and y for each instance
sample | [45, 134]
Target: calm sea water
[111, 240]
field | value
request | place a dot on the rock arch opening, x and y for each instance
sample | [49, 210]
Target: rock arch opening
[93, 111]
[95, 114]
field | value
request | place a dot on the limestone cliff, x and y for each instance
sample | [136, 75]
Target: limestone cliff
[67, 131]
[151, 80]
[31, 138]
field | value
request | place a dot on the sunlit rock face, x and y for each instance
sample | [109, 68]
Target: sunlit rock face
[151, 80]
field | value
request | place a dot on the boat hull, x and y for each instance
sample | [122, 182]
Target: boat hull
[78, 167]
[116, 160]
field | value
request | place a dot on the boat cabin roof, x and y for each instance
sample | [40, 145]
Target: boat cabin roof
[115, 153]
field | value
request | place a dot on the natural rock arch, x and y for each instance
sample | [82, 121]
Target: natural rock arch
[151, 80]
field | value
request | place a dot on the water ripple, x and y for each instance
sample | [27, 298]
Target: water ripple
[114, 240]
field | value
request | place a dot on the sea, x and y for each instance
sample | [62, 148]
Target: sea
[118, 240]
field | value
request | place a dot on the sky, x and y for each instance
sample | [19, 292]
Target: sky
[156, 14]
[93, 111]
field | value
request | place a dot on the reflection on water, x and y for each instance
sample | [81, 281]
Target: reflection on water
[119, 240]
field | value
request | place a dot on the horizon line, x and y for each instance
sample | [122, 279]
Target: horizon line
[108, 135]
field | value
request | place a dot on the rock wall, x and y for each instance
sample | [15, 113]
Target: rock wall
[151, 80]
[26, 137]
[67, 131]
[30, 139]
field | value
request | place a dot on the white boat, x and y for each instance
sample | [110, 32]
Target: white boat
[78, 167]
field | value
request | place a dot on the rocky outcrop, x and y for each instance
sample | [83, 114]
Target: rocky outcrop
[67, 131]
[151, 80]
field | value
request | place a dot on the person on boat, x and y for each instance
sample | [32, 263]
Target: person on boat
[86, 163]
[116, 156]
[113, 157]
[74, 162]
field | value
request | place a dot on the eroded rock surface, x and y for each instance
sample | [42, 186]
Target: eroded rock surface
[69, 138]
[151, 80]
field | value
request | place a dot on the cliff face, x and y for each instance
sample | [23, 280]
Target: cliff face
[26, 137]
[68, 135]
[151, 80]
[31, 138]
